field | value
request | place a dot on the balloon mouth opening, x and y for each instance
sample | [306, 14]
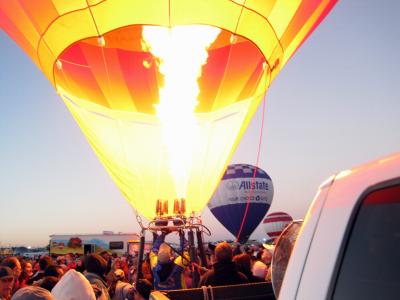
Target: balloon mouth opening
[121, 71]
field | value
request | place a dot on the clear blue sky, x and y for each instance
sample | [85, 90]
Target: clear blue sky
[335, 105]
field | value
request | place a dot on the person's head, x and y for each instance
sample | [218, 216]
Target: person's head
[27, 268]
[266, 257]
[13, 263]
[105, 255]
[32, 293]
[117, 264]
[243, 263]
[6, 281]
[259, 269]
[69, 258]
[96, 264]
[119, 274]
[73, 286]
[143, 289]
[44, 262]
[61, 260]
[55, 271]
[223, 252]
[48, 282]
[164, 254]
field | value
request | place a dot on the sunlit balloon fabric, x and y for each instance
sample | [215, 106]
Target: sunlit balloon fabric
[95, 55]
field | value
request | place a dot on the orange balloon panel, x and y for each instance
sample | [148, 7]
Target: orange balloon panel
[122, 76]
[162, 89]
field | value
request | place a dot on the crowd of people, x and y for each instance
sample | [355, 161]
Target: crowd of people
[104, 276]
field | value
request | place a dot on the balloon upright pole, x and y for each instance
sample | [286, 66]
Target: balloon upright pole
[140, 256]
[202, 254]
[193, 258]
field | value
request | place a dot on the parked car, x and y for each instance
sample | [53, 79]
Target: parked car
[349, 244]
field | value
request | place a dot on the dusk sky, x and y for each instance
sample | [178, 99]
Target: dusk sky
[335, 105]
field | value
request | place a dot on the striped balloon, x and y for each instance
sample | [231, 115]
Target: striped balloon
[275, 223]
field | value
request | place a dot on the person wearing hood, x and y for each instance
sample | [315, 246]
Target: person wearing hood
[224, 271]
[73, 285]
[32, 293]
[167, 271]
[96, 267]
[243, 265]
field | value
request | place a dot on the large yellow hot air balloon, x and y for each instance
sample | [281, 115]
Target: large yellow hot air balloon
[162, 89]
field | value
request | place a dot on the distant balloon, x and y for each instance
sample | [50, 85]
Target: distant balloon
[275, 223]
[229, 201]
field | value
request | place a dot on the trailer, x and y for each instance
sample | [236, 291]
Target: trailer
[119, 243]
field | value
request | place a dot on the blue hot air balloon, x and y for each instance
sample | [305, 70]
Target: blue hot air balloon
[230, 199]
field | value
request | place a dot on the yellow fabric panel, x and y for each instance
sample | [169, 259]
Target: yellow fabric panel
[303, 32]
[94, 2]
[257, 29]
[275, 61]
[261, 6]
[66, 6]
[46, 60]
[241, 2]
[113, 14]
[153, 260]
[68, 29]
[281, 15]
[205, 12]
[183, 261]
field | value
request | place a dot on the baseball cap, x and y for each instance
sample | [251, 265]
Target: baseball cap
[119, 274]
[6, 272]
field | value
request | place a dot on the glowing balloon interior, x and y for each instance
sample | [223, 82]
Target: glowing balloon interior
[163, 90]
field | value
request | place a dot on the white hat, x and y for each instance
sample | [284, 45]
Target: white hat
[259, 269]
[32, 293]
[73, 285]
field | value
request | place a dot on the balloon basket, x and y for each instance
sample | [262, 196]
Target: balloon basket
[189, 228]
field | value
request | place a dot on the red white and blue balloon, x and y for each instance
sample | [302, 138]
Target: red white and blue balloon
[275, 223]
[230, 199]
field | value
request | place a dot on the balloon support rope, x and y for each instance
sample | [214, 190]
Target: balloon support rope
[254, 174]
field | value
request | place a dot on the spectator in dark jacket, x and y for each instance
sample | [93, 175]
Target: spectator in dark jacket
[96, 267]
[44, 262]
[224, 271]
[243, 265]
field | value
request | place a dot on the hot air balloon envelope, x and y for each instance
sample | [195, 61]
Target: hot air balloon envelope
[162, 89]
[229, 201]
[275, 223]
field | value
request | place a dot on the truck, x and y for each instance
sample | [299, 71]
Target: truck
[119, 243]
[348, 246]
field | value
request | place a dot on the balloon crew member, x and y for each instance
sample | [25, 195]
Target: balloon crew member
[168, 273]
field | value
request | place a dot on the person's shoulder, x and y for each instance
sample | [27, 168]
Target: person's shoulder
[243, 277]
[207, 277]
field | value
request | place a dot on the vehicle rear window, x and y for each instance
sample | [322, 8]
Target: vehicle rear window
[116, 245]
[370, 268]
